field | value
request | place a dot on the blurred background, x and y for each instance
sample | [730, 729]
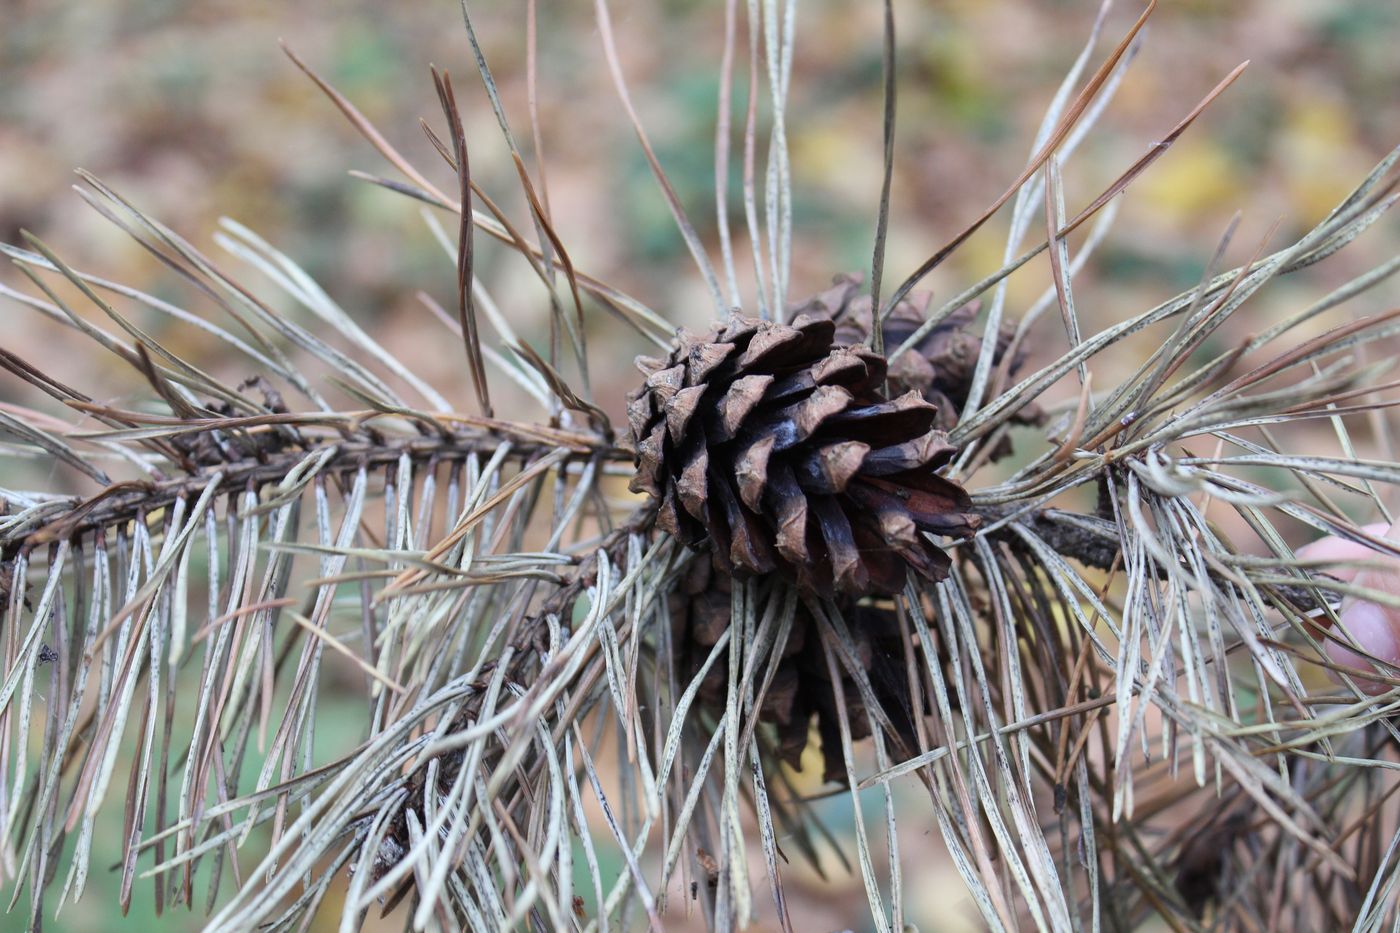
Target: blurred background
[192, 112]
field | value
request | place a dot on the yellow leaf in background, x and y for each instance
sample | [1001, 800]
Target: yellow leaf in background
[826, 152]
[1196, 177]
[810, 779]
[1317, 145]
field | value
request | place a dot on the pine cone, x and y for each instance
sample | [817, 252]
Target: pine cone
[700, 614]
[939, 367]
[775, 447]
[879, 645]
[801, 687]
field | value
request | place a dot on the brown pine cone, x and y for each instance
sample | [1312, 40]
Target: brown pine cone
[879, 645]
[801, 687]
[775, 446]
[700, 614]
[939, 367]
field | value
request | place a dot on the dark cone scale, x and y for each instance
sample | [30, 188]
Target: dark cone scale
[939, 367]
[801, 688]
[775, 446]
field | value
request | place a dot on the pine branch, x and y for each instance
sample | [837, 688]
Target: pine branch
[124, 502]
[1095, 542]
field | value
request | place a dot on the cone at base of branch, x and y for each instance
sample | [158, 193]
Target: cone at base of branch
[776, 448]
[800, 693]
